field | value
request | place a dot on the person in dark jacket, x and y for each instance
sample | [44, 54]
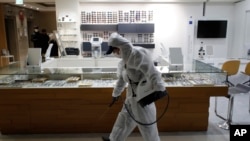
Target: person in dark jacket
[36, 37]
[44, 41]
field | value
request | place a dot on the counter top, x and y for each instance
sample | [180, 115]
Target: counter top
[217, 62]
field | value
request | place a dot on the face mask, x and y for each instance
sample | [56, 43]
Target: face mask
[36, 30]
[117, 55]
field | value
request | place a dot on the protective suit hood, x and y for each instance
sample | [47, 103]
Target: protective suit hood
[125, 46]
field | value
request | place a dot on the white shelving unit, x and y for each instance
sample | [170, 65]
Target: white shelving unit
[68, 33]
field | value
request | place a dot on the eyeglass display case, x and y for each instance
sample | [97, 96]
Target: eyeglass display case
[75, 100]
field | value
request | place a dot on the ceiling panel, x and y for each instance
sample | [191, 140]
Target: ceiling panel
[232, 1]
[9, 1]
[45, 1]
[49, 5]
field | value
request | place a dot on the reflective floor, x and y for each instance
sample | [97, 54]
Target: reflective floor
[214, 133]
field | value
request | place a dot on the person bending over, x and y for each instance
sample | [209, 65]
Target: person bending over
[136, 64]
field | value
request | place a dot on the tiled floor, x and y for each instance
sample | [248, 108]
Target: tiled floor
[185, 136]
[214, 133]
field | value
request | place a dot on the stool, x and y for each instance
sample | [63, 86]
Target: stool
[231, 67]
[232, 91]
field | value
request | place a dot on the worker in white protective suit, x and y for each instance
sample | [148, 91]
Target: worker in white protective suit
[136, 64]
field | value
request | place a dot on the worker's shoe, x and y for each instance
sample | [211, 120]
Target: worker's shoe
[105, 139]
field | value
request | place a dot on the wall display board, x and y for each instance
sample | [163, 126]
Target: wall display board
[135, 25]
[114, 17]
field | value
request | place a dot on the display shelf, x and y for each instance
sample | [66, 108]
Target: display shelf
[66, 22]
[135, 25]
[135, 28]
[98, 27]
[142, 38]
[120, 16]
[49, 82]
[145, 45]
[66, 19]
[68, 34]
[70, 41]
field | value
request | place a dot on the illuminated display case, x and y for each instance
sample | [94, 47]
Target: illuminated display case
[203, 75]
[76, 100]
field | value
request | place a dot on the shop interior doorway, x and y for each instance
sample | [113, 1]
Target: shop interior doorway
[11, 36]
[30, 31]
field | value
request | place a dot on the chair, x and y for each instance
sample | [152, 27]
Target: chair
[231, 67]
[247, 72]
[232, 92]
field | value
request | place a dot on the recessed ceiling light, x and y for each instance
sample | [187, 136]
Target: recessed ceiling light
[19, 2]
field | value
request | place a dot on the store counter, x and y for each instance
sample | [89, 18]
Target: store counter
[62, 100]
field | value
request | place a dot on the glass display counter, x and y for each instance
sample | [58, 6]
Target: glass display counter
[59, 78]
[75, 100]
[203, 75]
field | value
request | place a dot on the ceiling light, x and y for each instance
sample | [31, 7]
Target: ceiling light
[19, 1]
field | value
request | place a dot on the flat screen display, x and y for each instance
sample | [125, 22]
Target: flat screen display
[212, 29]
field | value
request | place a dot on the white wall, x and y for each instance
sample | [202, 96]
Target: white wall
[170, 20]
[239, 48]
[225, 11]
[171, 23]
[66, 7]
[70, 8]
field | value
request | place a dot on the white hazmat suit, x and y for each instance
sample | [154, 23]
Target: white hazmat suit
[136, 65]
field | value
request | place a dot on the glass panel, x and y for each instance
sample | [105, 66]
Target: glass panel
[202, 74]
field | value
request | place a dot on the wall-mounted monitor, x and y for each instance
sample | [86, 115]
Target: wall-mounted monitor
[212, 29]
